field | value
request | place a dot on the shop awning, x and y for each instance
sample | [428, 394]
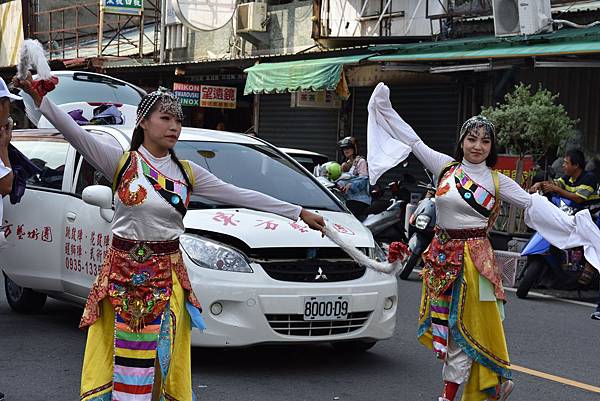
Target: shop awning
[301, 75]
[563, 42]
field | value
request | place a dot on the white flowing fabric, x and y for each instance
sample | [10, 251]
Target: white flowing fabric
[564, 231]
[383, 151]
[391, 139]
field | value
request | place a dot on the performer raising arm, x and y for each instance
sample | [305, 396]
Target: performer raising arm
[141, 307]
[461, 311]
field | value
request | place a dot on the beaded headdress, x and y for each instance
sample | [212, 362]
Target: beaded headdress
[476, 122]
[169, 103]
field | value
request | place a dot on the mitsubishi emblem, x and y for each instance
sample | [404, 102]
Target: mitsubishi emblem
[320, 276]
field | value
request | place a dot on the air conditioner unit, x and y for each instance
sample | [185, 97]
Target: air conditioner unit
[521, 17]
[251, 17]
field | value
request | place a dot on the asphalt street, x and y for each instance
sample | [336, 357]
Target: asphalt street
[554, 347]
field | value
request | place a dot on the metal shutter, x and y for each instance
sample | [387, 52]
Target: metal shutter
[431, 110]
[308, 129]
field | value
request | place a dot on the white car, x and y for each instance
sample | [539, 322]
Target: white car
[308, 159]
[260, 278]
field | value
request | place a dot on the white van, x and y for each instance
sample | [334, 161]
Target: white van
[260, 278]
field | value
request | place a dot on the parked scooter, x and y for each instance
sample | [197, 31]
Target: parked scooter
[555, 268]
[421, 228]
[387, 225]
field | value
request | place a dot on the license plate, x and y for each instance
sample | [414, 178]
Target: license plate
[326, 308]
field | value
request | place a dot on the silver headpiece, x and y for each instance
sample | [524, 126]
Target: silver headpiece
[476, 122]
[169, 103]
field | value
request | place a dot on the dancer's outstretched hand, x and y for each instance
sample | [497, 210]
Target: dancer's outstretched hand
[313, 220]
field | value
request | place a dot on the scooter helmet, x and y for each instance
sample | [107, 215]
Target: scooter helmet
[349, 142]
[333, 170]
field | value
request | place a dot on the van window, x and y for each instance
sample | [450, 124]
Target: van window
[88, 175]
[49, 154]
[83, 87]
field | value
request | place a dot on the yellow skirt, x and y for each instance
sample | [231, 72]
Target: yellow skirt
[476, 326]
[98, 361]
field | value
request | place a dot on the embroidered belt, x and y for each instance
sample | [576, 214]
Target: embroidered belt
[141, 251]
[444, 235]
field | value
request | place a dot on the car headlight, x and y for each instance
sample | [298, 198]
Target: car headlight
[213, 255]
[422, 221]
[377, 253]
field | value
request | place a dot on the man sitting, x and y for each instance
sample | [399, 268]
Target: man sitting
[578, 185]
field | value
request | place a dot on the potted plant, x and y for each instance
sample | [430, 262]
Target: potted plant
[529, 124]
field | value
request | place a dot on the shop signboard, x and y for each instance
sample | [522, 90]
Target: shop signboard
[507, 165]
[127, 7]
[188, 94]
[222, 97]
[316, 100]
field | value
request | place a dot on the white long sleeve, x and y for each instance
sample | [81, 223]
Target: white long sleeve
[208, 185]
[512, 192]
[390, 139]
[104, 156]
[558, 228]
[564, 231]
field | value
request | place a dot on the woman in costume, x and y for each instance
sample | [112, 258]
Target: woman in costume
[141, 308]
[461, 311]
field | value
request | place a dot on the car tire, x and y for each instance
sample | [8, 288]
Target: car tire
[23, 300]
[533, 272]
[354, 345]
[408, 267]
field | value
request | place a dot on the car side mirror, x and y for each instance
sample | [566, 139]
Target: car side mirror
[101, 196]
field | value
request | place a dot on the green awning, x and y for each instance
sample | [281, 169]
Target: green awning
[302, 75]
[563, 42]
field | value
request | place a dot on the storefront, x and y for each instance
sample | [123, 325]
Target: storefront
[215, 104]
[429, 103]
[212, 91]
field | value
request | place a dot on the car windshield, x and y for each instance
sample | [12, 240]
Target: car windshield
[257, 167]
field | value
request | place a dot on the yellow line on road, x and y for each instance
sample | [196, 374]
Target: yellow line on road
[558, 379]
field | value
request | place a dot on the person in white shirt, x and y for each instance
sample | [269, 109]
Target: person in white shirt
[6, 174]
[461, 312]
[6, 123]
[141, 308]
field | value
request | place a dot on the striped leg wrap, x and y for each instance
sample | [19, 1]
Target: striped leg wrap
[440, 309]
[135, 356]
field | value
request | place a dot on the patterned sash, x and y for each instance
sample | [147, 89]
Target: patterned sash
[174, 192]
[475, 195]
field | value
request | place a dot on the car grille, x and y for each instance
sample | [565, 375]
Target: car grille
[295, 325]
[313, 271]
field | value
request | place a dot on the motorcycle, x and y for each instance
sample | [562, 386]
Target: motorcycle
[554, 268]
[387, 225]
[421, 228]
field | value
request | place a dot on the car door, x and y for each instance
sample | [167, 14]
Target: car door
[34, 227]
[87, 233]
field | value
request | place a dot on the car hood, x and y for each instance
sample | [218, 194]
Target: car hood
[266, 230]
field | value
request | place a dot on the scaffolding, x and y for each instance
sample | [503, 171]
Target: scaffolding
[85, 30]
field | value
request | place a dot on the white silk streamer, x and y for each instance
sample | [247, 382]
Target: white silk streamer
[361, 258]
